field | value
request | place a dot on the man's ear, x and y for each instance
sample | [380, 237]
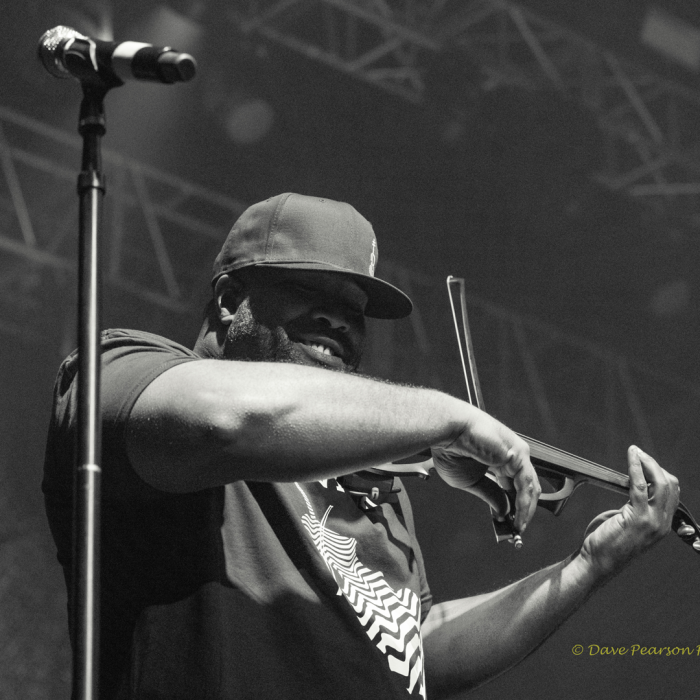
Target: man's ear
[228, 294]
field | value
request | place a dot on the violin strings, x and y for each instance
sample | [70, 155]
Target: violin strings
[578, 464]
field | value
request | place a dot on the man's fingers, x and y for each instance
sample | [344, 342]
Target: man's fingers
[639, 494]
[650, 485]
[654, 493]
[518, 470]
[528, 490]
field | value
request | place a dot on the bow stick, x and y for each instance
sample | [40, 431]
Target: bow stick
[564, 471]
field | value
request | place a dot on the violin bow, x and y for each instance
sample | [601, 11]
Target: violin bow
[562, 470]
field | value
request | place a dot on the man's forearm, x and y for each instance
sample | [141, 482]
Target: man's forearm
[472, 640]
[205, 423]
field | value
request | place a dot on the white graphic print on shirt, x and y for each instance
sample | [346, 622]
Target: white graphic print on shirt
[390, 618]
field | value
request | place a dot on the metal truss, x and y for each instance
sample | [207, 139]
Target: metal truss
[648, 122]
[380, 41]
[155, 225]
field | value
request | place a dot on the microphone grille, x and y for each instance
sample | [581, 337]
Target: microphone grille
[49, 49]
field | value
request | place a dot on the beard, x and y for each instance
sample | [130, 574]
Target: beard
[248, 339]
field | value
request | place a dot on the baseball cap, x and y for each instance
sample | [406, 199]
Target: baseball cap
[294, 231]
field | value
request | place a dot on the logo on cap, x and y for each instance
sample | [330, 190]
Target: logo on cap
[373, 257]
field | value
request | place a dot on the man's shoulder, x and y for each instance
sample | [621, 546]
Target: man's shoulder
[117, 343]
[115, 338]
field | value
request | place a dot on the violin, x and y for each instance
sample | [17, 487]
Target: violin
[562, 471]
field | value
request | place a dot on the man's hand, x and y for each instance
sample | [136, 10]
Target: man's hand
[512, 622]
[487, 443]
[616, 536]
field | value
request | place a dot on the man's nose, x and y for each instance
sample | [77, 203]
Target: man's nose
[335, 318]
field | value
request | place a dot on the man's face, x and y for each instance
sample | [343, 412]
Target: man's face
[304, 317]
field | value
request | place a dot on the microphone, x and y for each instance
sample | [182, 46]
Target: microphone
[66, 53]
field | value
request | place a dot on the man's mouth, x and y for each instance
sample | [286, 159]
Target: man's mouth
[324, 349]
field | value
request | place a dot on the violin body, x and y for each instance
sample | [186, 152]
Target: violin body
[563, 471]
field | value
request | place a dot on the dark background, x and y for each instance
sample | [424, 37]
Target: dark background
[508, 202]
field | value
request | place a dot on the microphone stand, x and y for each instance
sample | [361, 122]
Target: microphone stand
[67, 53]
[85, 590]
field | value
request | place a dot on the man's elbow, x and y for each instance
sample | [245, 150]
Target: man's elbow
[196, 441]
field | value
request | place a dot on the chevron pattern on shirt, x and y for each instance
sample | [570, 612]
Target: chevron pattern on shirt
[390, 618]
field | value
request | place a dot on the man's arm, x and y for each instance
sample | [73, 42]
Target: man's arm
[472, 640]
[211, 422]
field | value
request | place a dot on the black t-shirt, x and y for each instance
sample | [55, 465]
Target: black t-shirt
[248, 590]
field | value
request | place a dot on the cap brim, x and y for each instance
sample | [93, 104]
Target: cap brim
[383, 299]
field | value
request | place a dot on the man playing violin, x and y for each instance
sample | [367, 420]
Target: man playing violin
[250, 549]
